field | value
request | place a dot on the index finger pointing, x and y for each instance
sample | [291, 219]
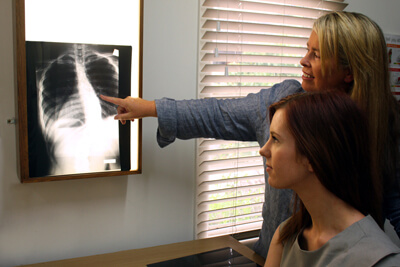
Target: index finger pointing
[114, 100]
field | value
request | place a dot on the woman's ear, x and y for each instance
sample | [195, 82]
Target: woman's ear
[307, 164]
[348, 78]
[309, 167]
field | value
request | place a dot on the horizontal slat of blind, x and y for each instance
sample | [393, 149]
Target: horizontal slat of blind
[254, 49]
[246, 70]
[245, 46]
[229, 208]
[243, 81]
[328, 5]
[231, 198]
[230, 194]
[262, 19]
[294, 8]
[233, 60]
[228, 181]
[228, 92]
[222, 174]
[210, 221]
[213, 144]
[229, 164]
[233, 37]
[226, 226]
[229, 212]
[228, 154]
[255, 28]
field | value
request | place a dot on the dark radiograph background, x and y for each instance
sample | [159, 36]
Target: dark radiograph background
[70, 129]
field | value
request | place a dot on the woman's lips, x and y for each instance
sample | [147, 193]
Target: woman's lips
[268, 168]
[307, 76]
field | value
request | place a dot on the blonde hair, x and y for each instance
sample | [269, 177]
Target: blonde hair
[356, 42]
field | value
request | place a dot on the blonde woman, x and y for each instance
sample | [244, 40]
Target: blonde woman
[346, 51]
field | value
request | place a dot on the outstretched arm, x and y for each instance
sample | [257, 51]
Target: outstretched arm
[131, 108]
[243, 119]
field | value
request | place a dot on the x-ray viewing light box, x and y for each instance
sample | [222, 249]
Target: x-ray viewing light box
[68, 53]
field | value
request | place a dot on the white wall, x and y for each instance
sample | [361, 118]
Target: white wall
[383, 12]
[57, 220]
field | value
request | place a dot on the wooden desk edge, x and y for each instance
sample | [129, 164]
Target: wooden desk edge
[145, 256]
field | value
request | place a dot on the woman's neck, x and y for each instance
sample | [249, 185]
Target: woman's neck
[329, 215]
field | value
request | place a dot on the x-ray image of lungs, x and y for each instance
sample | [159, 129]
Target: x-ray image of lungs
[75, 127]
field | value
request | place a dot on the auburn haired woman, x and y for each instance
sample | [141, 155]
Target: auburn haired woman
[319, 148]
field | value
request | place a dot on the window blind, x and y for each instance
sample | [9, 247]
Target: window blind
[244, 46]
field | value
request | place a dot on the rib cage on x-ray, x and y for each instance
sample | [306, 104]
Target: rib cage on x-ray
[77, 125]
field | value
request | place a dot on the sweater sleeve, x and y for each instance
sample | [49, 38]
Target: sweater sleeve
[229, 119]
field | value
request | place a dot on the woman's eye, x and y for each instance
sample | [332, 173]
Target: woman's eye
[274, 139]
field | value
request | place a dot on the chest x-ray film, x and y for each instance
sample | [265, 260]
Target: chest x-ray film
[70, 129]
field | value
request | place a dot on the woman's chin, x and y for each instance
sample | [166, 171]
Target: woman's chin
[274, 183]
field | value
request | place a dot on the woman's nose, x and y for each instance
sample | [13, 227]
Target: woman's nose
[264, 151]
[304, 61]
